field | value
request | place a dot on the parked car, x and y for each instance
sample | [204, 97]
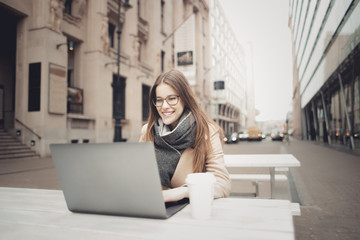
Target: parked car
[263, 135]
[277, 135]
[243, 135]
[357, 135]
[232, 138]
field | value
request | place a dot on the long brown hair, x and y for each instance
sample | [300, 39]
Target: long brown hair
[202, 145]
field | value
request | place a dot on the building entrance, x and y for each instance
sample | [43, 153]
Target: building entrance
[1, 107]
[8, 22]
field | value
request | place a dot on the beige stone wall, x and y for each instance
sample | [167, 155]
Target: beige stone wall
[42, 25]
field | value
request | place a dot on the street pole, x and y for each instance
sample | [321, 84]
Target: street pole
[117, 84]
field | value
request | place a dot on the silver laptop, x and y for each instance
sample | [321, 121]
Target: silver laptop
[112, 178]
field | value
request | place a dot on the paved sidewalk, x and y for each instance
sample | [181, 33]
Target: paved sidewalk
[326, 185]
[29, 173]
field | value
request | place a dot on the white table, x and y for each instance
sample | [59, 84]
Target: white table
[42, 214]
[270, 161]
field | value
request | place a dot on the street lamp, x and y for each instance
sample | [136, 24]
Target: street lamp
[116, 84]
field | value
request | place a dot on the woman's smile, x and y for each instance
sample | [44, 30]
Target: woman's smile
[169, 114]
[168, 117]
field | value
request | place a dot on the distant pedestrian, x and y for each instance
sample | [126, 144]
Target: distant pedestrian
[287, 138]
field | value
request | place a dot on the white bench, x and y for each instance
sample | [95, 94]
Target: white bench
[257, 178]
[281, 169]
[295, 209]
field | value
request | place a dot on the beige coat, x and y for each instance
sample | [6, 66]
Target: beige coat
[213, 165]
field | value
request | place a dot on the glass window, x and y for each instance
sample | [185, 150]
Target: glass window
[111, 35]
[162, 61]
[119, 97]
[34, 87]
[162, 15]
[140, 45]
[67, 7]
[145, 102]
[70, 70]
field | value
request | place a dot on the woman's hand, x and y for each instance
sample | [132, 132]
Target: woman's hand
[175, 194]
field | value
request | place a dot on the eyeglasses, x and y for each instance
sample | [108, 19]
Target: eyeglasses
[172, 100]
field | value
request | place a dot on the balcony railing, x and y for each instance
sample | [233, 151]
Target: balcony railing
[75, 100]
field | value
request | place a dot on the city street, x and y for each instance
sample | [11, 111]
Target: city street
[326, 185]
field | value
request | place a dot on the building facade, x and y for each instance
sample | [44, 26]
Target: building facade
[59, 64]
[326, 56]
[229, 73]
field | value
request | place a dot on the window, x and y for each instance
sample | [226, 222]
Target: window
[140, 50]
[70, 70]
[145, 102]
[162, 61]
[141, 9]
[111, 34]
[204, 25]
[162, 16]
[119, 97]
[67, 7]
[34, 87]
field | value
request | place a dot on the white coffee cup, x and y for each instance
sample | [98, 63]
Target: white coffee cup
[201, 194]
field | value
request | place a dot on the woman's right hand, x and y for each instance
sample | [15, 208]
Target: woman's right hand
[175, 194]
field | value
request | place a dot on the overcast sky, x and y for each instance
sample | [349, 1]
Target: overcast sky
[264, 23]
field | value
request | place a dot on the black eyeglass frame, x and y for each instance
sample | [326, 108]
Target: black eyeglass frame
[165, 99]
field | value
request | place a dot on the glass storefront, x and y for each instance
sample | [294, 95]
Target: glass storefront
[333, 115]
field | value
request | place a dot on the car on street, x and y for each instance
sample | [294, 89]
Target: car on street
[263, 135]
[231, 138]
[277, 135]
[243, 135]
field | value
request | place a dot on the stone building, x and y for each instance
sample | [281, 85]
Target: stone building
[229, 74]
[326, 59]
[58, 63]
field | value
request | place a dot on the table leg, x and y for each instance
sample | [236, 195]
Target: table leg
[272, 181]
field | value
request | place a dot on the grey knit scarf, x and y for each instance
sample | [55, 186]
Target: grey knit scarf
[170, 144]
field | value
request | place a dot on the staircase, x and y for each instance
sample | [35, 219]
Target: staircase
[11, 148]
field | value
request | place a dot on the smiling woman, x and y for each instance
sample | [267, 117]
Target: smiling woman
[185, 139]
